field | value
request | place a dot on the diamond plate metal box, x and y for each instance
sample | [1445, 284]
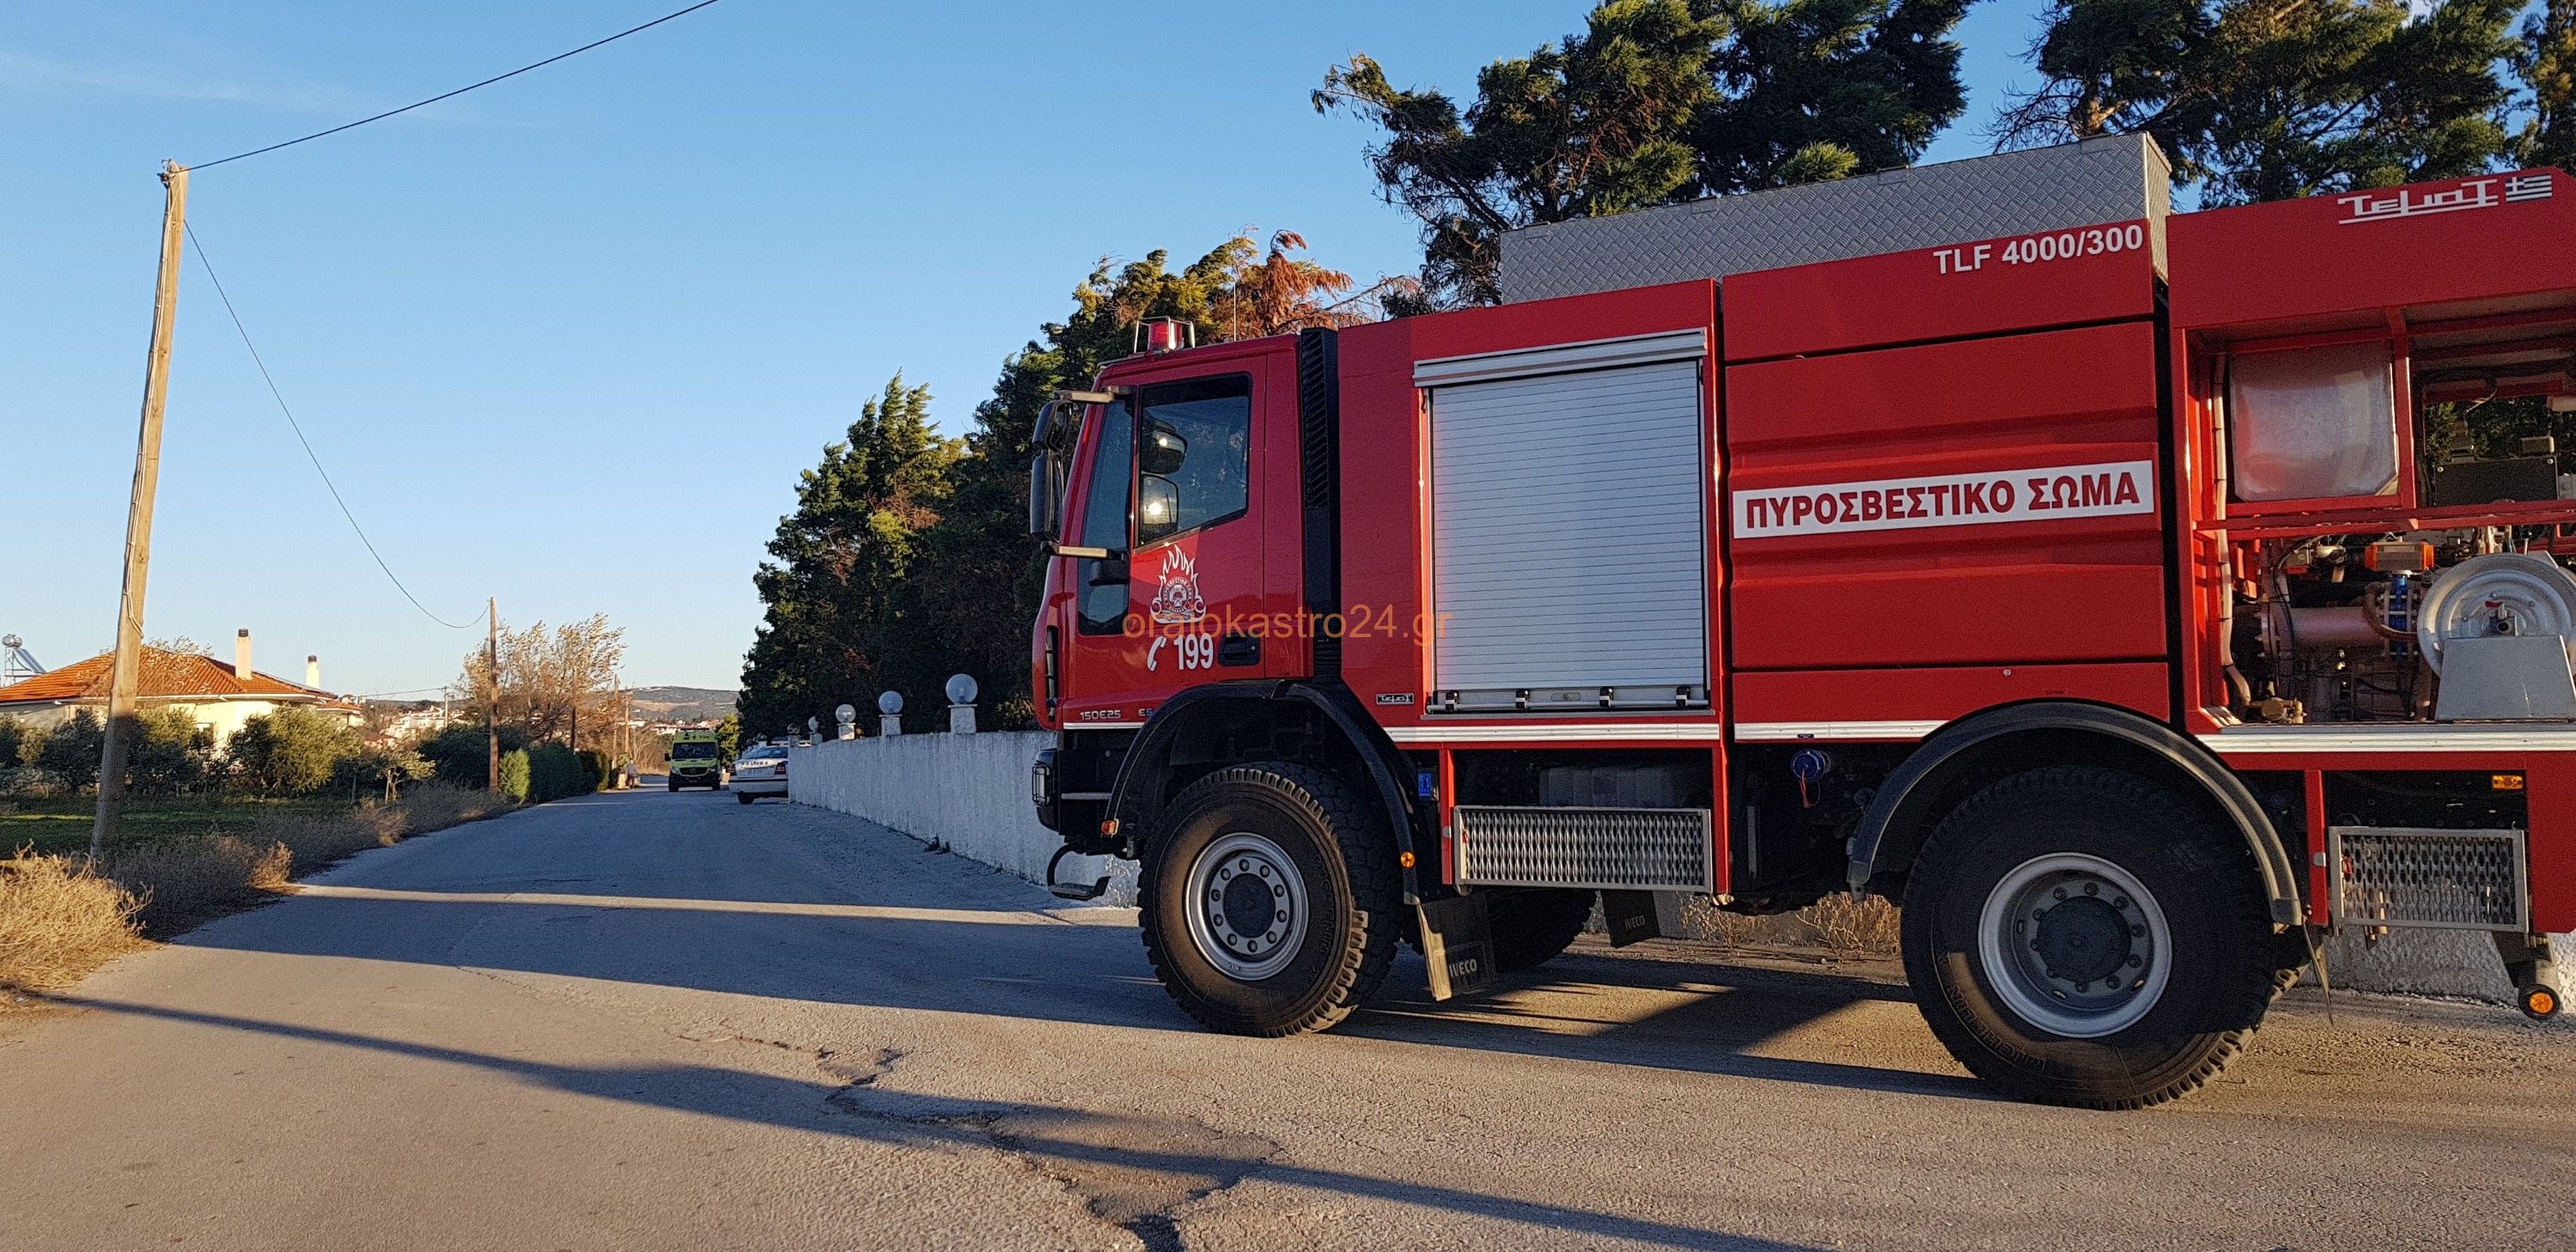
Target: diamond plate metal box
[2011, 193]
[2435, 879]
[1618, 849]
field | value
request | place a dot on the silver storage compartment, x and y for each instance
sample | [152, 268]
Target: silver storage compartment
[2118, 179]
[1615, 849]
[2436, 879]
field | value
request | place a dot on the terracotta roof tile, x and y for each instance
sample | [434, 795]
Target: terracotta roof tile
[166, 675]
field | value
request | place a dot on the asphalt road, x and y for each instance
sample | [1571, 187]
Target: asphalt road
[655, 1020]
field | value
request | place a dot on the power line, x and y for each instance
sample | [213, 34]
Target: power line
[458, 92]
[298, 428]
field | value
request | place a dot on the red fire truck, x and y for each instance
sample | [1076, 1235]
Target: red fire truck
[2116, 591]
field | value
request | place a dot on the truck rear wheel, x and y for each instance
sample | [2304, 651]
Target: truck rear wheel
[1531, 927]
[1271, 900]
[2078, 936]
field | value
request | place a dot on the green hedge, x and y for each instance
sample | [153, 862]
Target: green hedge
[555, 771]
[596, 768]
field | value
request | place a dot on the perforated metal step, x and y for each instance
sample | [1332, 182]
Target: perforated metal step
[2438, 879]
[1617, 849]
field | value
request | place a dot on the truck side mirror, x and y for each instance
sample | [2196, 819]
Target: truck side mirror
[1046, 492]
[1164, 450]
[1158, 505]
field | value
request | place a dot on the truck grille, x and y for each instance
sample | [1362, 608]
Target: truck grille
[2444, 879]
[1618, 849]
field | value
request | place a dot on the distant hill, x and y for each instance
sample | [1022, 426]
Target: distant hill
[683, 704]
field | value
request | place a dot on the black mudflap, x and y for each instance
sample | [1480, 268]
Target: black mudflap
[1458, 945]
[1631, 916]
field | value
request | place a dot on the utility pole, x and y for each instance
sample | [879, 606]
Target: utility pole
[492, 703]
[126, 676]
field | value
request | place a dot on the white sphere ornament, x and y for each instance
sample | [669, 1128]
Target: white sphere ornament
[890, 703]
[845, 715]
[961, 689]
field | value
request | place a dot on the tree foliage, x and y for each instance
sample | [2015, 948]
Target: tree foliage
[462, 753]
[514, 776]
[170, 752]
[550, 680]
[1275, 293]
[1817, 90]
[2546, 64]
[71, 748]
[292, 751]
[1654, 101]
[2270, 99]
[835, 620]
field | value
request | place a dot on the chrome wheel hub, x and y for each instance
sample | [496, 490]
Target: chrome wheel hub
[2075, 945]
[1247, 906]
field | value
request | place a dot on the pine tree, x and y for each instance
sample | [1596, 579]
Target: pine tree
[834, 629]
[1816, 90]
[2546, 63]
[1655, 101]
[2271, 99]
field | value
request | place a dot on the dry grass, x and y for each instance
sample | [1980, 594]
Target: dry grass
[1833, 922]
[59, 921]
[61, 916]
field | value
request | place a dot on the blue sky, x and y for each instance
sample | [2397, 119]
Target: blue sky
[569, 339]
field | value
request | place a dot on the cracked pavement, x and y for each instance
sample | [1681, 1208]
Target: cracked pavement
[651, 1020]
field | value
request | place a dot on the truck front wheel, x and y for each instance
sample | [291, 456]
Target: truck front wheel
[2078, 936]
[1271, 900]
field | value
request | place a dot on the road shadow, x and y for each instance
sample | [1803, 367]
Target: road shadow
[1717, 1021]
[1114, 1160]
[893, 926]
[1023, 966]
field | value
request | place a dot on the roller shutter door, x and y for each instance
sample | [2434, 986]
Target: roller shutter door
[1569, 536]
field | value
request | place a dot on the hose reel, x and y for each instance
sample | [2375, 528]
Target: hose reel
[2500, 594]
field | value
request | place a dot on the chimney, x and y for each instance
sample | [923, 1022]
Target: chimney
[241, 654]
[313, 672]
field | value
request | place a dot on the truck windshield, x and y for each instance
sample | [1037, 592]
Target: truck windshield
[693, 751]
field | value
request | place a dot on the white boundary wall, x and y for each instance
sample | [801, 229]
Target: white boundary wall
[968, 792]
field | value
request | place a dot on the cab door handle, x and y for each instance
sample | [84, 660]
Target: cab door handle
[1238, 650]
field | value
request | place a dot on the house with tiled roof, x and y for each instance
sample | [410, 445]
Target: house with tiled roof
[220, 696]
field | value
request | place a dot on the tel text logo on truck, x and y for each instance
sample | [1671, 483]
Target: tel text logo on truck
[2107, 489]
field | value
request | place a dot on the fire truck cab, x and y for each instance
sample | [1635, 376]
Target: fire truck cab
[2126, 593]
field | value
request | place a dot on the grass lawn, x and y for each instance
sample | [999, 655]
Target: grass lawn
[63, 825]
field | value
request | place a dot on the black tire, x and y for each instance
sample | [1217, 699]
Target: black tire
[743, 796]
[1346, 878]
[1531, 927]
[2217, 974]
[671, 784]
